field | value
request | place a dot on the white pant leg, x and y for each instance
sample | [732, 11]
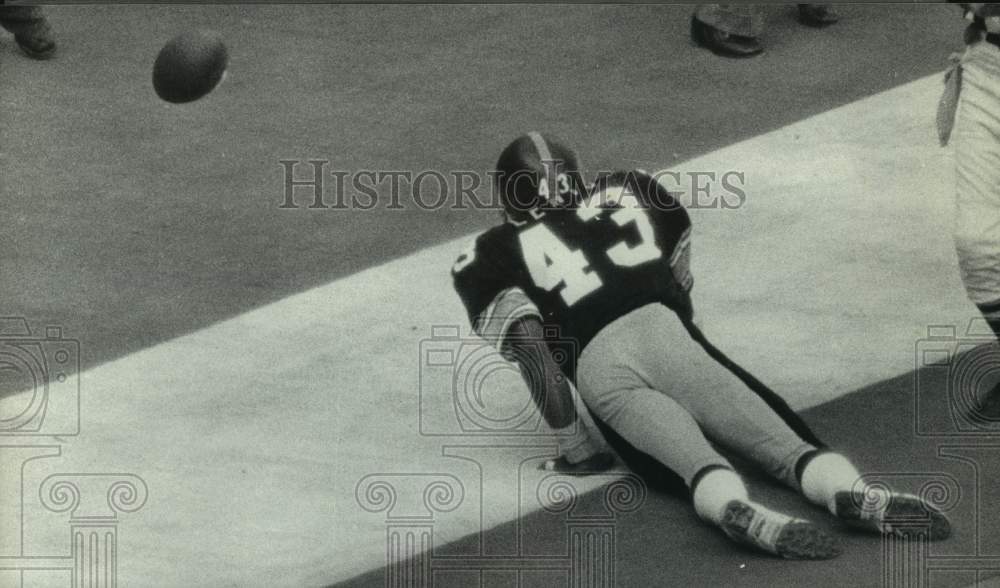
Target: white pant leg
[976, 140]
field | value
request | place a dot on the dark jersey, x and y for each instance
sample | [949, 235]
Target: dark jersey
[580, 268]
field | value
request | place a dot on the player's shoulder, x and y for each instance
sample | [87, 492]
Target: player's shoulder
[496, 240]
[485, 246]
[638, 186]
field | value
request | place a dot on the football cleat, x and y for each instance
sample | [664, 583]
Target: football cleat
[776, 533]
[817, 15]
[902, 515]
[722, 43]
[36, 46]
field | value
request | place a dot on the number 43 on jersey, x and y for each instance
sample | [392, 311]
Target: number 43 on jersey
[552, 263]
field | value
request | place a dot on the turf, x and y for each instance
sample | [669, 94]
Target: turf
[662, 543]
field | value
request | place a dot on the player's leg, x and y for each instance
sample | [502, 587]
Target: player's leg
[653, 424]
[724, 407]
[30, 28]
[976, 140]
[825, 479]
[658, 426]
[741, 421]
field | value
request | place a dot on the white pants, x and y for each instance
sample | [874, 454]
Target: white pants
[976, 140]
[647, 379]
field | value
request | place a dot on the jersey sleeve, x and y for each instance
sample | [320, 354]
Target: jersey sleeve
[680, 261]
[486, 280]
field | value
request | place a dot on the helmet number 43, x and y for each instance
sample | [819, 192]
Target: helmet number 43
[552, 263]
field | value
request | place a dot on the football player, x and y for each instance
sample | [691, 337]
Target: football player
[969, 106]
[608, 268]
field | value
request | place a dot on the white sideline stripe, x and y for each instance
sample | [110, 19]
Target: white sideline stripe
[253, 432]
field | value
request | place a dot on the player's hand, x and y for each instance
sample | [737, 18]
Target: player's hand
[595, 464]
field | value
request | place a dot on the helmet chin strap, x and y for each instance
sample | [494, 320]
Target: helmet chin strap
[507, 218]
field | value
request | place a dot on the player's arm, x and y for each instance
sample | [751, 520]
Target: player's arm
[525, 344]
[513, 325]
[504, 316]
[581, 448]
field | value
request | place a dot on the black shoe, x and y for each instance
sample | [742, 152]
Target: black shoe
[36, 46]
[902, 515]
[776, 533]
[722, 43]
[817, 15]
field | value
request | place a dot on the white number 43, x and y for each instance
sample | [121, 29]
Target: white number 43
[552, 263]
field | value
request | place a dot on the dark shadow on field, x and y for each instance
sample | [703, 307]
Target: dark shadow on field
[664, 544]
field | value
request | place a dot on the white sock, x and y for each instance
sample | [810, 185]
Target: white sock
[714, 491]
[825, 475]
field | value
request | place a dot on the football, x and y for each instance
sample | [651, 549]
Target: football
[190, 66]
